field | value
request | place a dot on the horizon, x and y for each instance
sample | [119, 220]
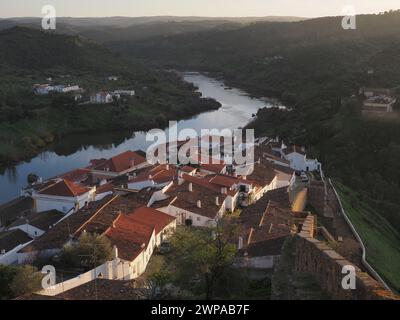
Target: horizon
[184, 8]
[193, 16]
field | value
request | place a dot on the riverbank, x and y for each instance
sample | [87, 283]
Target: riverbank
[71, 151]
[27, 138]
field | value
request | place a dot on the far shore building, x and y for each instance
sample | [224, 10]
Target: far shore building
[102, 97]
[379, 100]
[129, 93]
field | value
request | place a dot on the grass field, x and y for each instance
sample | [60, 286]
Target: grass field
[381, 240]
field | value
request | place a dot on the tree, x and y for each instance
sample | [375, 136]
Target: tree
[7, 273]
[92, 250]
[26, 280]
[202, 259]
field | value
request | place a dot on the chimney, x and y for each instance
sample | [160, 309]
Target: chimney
[217, 201]
[3, 251]
[240, 243]
[167, 167]
[115, 252]
[132, 163]
[198, 204]
[224, 190]
[190, 187]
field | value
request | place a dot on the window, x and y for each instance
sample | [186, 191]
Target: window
[198, 218]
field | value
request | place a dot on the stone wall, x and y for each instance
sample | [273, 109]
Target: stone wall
[317, 197]
[316, 258]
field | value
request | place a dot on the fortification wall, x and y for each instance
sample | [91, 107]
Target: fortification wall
[326, 265]
[316, 196]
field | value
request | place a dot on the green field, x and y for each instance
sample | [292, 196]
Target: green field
[381, 240]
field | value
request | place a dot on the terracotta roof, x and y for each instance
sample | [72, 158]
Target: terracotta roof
[57, 236]
[152, 217]
[157, 173]
[208, 163]
[105, 188]
[251, 216]
[121, 162]
[227, 181]
[130, 236]
[15, 209]
[262, 175]
[64, 188]
[13, 238]
[188, 169]
[181, 197]
[42, 220]
[77, 175]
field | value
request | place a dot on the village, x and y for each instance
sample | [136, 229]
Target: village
[138, 205]
[79, 94]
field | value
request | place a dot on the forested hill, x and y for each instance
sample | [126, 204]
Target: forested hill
[30, 49]
[281, 58]
[29, 122]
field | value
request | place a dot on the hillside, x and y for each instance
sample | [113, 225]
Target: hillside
[313, 66]
[117, 29]
[28, 123]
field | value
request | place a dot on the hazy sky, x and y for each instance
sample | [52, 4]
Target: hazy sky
[92, 8]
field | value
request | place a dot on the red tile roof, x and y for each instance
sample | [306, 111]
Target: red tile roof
[77, 175]
[152, 216]
[130, 236]
[121, 162]
[64, 188]
[188, 169]
[180, 197]
[105, 188]
[205, 183]
[158, 173]
[227, 181]
[208, 163]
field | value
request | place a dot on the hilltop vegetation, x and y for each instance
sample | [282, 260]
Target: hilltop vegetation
[29, 122]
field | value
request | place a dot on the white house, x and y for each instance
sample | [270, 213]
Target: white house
[124, 92]
[42, 89]
[195, 201]
[112, 78]
[62, 195]
[101, 97]
[154, 176]
[37, 223]
[298, 159]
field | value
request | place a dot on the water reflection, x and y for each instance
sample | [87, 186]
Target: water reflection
[76, 151]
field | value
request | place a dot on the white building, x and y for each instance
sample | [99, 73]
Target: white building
[42, 89]
[298, 159]
[101, 98]
[62, 195]
[124, 92]
[37, 223]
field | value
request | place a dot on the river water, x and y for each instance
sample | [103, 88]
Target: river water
[77, 150]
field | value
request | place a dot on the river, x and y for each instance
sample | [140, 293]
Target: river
[77, 150]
